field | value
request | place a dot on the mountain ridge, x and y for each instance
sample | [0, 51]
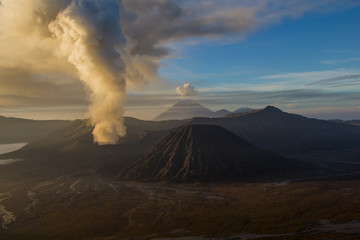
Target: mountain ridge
[18, 130]
[186, 109]
[272, 129]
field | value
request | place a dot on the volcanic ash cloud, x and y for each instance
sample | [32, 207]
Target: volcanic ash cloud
[186, 90]
[89, 34]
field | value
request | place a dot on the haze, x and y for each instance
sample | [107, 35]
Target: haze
[301, 56]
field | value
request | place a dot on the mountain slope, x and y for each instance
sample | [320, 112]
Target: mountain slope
[243, 109]
[352, 122]
[184, 109]
[222, 112]
[16, 130]
[189, 109]
[285, 133]
[79, 133]
[206, 153]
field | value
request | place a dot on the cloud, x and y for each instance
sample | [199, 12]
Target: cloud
[301, 75]
[160, 22]
[344, 80]
[334, 78]
[187, 90]
[339, 61]
[22, 87]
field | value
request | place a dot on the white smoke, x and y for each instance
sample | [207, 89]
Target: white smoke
[89, 33]
[186, 90]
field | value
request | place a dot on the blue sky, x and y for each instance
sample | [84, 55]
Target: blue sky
[287, 55]
[302, 44]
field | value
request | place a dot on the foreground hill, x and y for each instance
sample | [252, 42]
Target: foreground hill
[188, 109]
[207, 153]
[16, 130]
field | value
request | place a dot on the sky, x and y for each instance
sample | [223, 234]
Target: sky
[300, 56]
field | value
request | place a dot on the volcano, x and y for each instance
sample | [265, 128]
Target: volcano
[206, 153]
[189, 109]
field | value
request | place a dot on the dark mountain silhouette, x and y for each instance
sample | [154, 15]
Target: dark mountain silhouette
[240, 114]
[243, 109]
[188, 109]
[285, 133]
[79, 134]
[352, 122]
[206, 153]
[15, 130]
[222, 112]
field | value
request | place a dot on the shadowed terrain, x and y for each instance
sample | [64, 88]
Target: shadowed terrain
[18, 130]
[208, 153]
[286, 133]
[64, 186]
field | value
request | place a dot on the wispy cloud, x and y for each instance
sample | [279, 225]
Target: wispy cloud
[302, 75]
[339, 78]
[343, 51]
[343, 80]
[340, 61]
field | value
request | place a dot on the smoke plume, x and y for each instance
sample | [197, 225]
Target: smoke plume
[186, 90]
[112, 45]
[89, 32]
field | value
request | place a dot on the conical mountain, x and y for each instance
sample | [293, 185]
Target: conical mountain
[188, 109]
[206, 153]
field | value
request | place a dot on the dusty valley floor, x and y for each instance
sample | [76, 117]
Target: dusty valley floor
[87, 206]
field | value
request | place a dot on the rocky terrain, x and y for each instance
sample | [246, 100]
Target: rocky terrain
[208, 153]
[265, 174]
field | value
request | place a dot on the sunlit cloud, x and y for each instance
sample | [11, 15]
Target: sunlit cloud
[186, 90]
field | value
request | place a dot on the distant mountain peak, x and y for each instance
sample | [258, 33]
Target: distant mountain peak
[187, 102]
[270, 108]
[187, 109]
[222, 112]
